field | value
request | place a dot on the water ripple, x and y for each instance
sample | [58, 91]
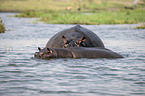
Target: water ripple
[23, 75]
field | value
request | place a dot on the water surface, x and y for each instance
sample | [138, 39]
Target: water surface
[23, 75]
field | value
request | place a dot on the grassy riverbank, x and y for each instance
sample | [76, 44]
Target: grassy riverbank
[119, 17]
[2, 27]
[142, 26]
[82, 12]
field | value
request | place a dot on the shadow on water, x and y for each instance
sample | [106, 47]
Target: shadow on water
[22, 74]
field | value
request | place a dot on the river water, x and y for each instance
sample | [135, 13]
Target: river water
[23, 75]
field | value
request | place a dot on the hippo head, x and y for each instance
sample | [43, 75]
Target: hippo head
[73, 42]
[45, 53]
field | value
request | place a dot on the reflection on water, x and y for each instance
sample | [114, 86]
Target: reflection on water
[23, 75]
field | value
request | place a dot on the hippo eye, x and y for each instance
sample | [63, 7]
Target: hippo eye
[67, 42]
[77, 43]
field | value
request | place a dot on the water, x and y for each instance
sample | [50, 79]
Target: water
[23, 75]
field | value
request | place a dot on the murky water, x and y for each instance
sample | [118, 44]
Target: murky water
[23, 75]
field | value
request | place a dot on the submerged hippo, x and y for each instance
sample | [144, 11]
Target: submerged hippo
[76, 52]
[76, 36]
[75, 42]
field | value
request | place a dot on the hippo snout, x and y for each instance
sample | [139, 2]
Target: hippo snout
[44, 54]
[39, 54]
[36, 54]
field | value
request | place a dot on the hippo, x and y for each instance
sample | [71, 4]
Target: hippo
[75, 42]
[76, 36]
[76, 52]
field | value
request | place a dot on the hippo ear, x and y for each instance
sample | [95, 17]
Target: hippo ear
[39, 48]
[83, 39]
[49, 51]
[64, 39]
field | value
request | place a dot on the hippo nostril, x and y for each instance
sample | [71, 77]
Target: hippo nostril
[74, 45]
[35, 54]
[40, 54]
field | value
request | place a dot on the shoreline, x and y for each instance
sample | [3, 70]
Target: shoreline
[90, 12]
[137, 25]
[10, 11]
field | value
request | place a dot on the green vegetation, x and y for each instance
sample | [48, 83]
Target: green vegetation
[142, 26]
[80, 12]
[2, 27]
[119, 17]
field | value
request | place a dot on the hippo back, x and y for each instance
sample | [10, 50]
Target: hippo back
[92, 40]
[92, 52]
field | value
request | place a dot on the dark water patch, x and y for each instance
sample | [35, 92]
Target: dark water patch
[129, 79]
[12, 71]
[67, 84]
[19, 80]
[105, 93]
[59, 92]
[29, 76]
[78, 66]
[110, 74]
[3, 52]
[106, 68]
[140, 82]
[14, 65]
[80, 77]
[75, 72]
[139, 69]
[140, 59]
[11, 81]
[2, 56]
[133, 74]
[138, 94]
[32, 65]
[21, 62]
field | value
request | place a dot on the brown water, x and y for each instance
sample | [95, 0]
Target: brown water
[23, 75]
